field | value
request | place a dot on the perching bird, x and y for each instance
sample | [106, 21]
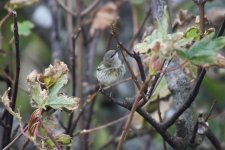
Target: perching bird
[111, 69]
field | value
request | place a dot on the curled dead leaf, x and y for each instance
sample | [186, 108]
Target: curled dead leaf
[183, 20]
[221, 60]
[6, 101]
[56, 70]
[105, 16]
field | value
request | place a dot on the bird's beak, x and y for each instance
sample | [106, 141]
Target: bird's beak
[116, 52]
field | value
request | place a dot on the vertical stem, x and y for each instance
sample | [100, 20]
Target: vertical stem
[71, 45]
[55, 36]
[202, 18]
[80, 74]
[70, 125]
[79, 60]
[9, 117]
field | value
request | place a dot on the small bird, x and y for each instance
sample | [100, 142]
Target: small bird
[111, 69]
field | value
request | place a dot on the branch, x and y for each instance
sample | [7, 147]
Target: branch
[212, 138]
[172, 141]
[187, 102]
[112, 138]
[16, 80]
[222, 28]
[140, 28]
[201, 7]
[194, 92]
[133, 55]
[133, 109]
[160, 119]
[210, 111]
[9, 118]
[73, 66]
[86, 131]
[155, 82]
[50, 135]
[14, 140]
[83, 13]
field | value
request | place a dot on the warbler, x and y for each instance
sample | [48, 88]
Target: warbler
[111, 69]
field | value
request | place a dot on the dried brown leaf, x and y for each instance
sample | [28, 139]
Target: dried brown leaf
[105, 16]
[183, 20]
[6, 101]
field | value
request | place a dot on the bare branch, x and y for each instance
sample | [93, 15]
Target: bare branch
[83, 13]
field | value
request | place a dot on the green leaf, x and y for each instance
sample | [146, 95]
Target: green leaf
[62, 140]
[200, 47]
[48, 81]
[25, 28]
[163, 25]
[183, 54]
[192, 33]
[61, 81]
[203, 51]
[39, 97]
[63, 102]
[203, 59]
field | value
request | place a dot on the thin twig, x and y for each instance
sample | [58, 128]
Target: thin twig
[25, 144]
[121, 47]
[9, 84]
[222, 28]
[91, 56]
[112, 138]
[75, 122]
[86, 131]
[117, 83]
[88, 119]
[210, 111]
[173, 142]
[133, 55]
[50, 135]
[160, 119]
[188, 102]
[1, 23]
[17, 48]
[5, 18]
[109, 41]
[212, 138]
[73, 66]
[14, 140]
[15, 131]
[192, 140]
[140, 28]
[202, 18]
[133, 109]
[154, 84]
[61, 124]
[9, 118]
[83, 13]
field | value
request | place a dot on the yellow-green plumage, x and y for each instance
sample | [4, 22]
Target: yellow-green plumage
[111, 69]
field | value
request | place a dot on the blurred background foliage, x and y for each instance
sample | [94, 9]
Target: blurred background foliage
[37, 23]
